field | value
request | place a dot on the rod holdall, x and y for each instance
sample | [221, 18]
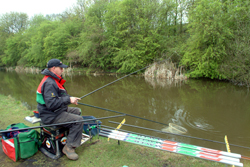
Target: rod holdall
[20, 144]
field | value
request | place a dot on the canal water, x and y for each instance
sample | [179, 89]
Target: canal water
[206, 109]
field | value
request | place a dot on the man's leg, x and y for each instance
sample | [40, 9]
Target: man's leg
[74, 110]
[75, 133]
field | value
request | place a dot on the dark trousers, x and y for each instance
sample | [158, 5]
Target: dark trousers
[75, 129]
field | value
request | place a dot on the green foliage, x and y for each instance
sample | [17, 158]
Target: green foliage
[91, 49]
[131, 36]
[205, 50]
[209, 38]
[236, 66]
[55, 44]
[15, 45]
[10, 24]
[14, 22]
[124, 35]
[35, 55]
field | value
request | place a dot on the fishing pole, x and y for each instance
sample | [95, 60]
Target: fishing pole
[180, 150]
[120, 113]
[159, 131]
[57, 124]
[168, 142]
[125, 76]
[115, 81]
[242, 156]
[169, 145]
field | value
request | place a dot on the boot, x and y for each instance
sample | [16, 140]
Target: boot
[70, 152]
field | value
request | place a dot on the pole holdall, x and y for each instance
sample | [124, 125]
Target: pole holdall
[20, 143]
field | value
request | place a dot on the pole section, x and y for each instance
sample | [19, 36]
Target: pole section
[35, 127]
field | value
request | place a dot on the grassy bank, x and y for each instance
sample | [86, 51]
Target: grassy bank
[98, 152]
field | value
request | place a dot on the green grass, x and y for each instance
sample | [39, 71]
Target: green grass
[95, 153]
[111, 154]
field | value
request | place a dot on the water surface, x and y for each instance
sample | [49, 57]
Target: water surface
[207, 109]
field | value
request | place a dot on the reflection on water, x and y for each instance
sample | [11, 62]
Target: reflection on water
[206, 109]
[158, 82]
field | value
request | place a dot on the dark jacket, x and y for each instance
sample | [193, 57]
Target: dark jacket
[52, 97]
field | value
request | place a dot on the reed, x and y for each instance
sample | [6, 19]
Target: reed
[9, 69]
[165, 70]
[32, 70]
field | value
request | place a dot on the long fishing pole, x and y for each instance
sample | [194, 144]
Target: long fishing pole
[120, 113]
[188, 152]
[242, 156]
[115, 81]
[171, 146]
[57, 124]
[168, 142]
[178, 150]
[159, 131]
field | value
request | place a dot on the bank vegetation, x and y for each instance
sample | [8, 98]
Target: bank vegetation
[205, 38]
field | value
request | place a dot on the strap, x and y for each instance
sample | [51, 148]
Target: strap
[13, 124]
[36, 140]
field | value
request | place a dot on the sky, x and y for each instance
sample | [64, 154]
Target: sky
[32, 7]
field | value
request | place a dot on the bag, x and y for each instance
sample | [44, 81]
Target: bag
[20, 144]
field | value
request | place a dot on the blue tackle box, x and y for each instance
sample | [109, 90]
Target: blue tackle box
[92, 124]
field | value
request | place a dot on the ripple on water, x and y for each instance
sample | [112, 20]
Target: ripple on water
[194, 124]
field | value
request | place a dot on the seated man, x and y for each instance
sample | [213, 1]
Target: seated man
[53, 102]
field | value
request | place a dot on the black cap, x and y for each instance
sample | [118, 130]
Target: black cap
[56, 63]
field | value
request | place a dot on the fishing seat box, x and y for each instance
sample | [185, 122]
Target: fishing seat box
[53, 140]
[89, 124]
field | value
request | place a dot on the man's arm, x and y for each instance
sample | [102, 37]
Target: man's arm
[52, 99]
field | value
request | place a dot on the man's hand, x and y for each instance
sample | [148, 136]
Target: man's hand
[74, 100]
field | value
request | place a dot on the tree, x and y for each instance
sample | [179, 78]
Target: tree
[34, 55]
[205, 50]
[131, 32]
[10, 23]
[13, 22]
[91, 49]
[237, 65]
[15, 46]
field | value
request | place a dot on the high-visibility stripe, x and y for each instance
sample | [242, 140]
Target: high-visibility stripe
[120, 125]
[10, 143]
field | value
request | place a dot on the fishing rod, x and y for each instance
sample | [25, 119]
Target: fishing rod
[171, 144]
[159, 131]
[188, 152]
[124, 77]
[57, 124]
[115, 81]
[178, 150]
[242, 156]
[120, 113]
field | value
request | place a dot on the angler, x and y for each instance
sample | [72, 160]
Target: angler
[53, 101]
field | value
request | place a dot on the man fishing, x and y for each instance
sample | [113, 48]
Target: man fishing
[53, 101]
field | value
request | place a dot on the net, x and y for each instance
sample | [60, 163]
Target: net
[173, 128]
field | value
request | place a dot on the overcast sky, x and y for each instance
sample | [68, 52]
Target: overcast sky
[32, 7]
